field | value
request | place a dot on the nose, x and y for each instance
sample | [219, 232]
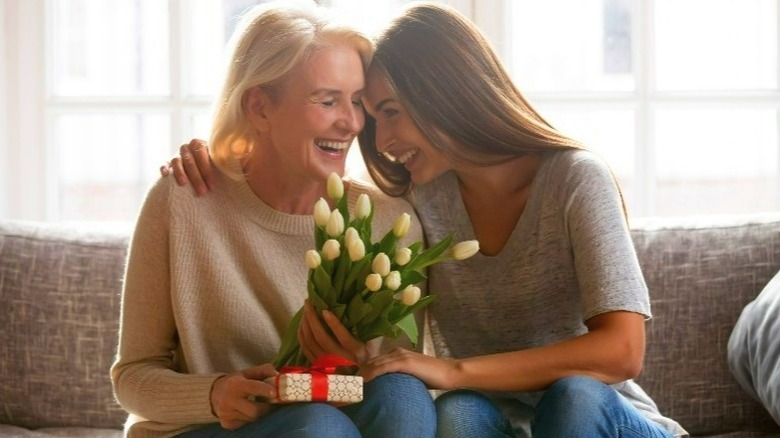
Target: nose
[383, 137]
[352, 119]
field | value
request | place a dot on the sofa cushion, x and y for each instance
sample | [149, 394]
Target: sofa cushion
[59, 313]
[701, 273]
[754, 348]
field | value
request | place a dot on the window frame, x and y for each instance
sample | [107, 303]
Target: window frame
[28, 111]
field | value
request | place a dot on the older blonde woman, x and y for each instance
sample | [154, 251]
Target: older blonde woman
[212, 282]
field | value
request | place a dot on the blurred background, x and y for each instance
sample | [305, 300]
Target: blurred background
[681, 97]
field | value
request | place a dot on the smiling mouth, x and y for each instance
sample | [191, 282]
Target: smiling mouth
[333, 146]
[402, 159]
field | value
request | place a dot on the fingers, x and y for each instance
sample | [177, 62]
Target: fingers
[200, 153]
[190, 167]
[344, 337]
[232, 396]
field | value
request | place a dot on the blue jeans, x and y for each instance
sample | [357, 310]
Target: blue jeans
[571, 407]
[394, 405]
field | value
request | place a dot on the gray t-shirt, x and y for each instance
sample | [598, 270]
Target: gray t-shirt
[569, 258]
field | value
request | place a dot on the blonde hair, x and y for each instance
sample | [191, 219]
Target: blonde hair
[455, 89]
[269, 42]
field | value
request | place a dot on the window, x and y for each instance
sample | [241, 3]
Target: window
[684, 105]
[687, 114]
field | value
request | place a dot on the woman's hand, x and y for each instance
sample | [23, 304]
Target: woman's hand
[193, 166]
[230, 396]
[436, 373]
[315, 338]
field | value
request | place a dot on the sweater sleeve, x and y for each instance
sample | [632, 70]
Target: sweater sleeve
[145, 377]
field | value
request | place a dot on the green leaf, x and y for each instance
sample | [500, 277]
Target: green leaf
[290, 346]
[431, 255]
[409, 326]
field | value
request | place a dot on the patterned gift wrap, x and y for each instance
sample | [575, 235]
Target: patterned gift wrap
[306, 387]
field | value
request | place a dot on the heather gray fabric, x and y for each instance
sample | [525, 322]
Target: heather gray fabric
[701, 272]
[59, 315]
[569, 258]
[754, 348]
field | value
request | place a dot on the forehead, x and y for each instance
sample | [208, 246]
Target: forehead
[335, 67]
[377, 88]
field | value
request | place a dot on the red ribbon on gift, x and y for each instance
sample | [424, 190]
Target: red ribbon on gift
[319, 370]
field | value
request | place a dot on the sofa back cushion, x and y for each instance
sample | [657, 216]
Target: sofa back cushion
[59, 314]
[700, 275]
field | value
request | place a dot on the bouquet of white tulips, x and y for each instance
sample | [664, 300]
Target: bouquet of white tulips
[370, 286]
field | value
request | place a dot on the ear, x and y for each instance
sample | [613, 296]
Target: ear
[256, 103]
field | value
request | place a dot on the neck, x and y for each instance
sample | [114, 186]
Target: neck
[283, 191]
[498, 181]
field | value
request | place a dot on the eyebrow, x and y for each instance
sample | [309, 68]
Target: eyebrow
[378, 107]
[332, 91]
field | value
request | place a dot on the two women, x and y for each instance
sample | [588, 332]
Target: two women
[212, 282]
[542, 332]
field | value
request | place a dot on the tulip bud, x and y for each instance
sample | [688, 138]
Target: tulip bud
[402, 256]
[374, 282]
[381, 264]
[363, 206]
[402, 224]
[465, 249]
[335, 186]
[350, 236]
[335, 225]
[313, 259]
[331, 249]
[356, 249]
[321, 212]
[409, 296]
[393, 280]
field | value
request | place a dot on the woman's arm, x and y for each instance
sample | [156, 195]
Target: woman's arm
[612, 351]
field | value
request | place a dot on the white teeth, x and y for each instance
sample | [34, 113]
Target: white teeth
[406, 157]
[336, 145]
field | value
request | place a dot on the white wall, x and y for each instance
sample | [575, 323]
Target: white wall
[4, 159]
[22, 117]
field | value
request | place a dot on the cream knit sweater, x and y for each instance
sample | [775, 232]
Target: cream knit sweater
[210, 286]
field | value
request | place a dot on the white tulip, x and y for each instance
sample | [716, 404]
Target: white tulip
[363, 206]
[402, 256]
[356, 249]
[409, 296]
[321, 212]
[350, 236]
[335, 186]
[393, 280]
[335, 225]
[402, 224]
[374, 282]
[313, 259]
[331, 249]
[465, 249]
[381, 264]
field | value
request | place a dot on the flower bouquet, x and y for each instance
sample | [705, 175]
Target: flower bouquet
[369, 286]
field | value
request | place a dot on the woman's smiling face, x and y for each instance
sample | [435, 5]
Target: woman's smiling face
[313, 119]
[397, 136]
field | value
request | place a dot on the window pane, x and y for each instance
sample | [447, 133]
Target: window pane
[717, 161]
[587, 48]
[110, 48]
[716, 44]
[106, 162]
[607, 132]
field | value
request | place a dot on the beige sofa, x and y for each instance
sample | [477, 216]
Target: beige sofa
[59, 304]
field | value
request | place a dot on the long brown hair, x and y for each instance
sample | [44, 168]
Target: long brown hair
[453, 85]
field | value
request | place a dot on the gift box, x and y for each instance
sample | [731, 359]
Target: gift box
[295, 387]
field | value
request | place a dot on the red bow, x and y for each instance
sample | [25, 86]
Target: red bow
[319, 370]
